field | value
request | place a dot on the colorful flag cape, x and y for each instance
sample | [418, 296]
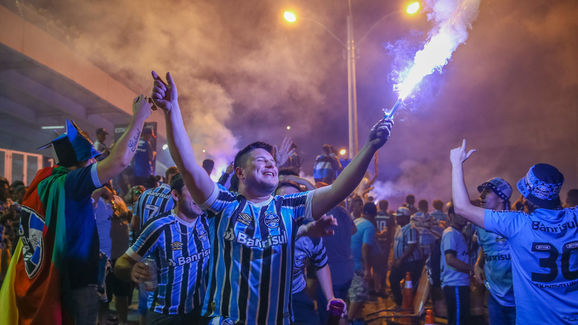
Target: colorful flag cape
[31, 291]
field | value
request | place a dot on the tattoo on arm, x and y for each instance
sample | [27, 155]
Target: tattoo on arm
[133, 142]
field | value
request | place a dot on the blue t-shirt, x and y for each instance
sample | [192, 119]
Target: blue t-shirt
[544, 251]
[252, 256]
[181, 251]
[453, 242]
[365, 235]
[338, 247]
[497, 267]
[307, 250]
[81, 234]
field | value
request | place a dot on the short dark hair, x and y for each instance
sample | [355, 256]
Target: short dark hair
[208, 164]
[422, 205]
[438, 204]
[177, 183]
[370, 209]
[240, 156]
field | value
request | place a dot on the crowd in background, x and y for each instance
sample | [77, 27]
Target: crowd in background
[367, 255]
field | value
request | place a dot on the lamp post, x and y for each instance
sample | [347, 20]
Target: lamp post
[353, 140]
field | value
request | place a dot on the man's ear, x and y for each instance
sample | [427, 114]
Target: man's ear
[240, 173]
[175, 195]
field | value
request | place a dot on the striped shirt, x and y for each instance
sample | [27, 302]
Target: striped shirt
[153, 202]
[307, 250]
[252, 256]
[181, 251]
[404, 237]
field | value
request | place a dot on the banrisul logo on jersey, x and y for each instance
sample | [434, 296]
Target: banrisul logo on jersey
[30, 231]
[252, 242]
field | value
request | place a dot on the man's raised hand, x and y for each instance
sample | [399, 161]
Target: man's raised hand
[141, 108]
[380, 132]
[458, 155]
[283, 152]
[164, 94]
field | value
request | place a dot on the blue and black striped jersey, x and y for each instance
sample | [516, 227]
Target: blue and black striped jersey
[405, 236]
[152, 203]
[252, 256]
[181, 251]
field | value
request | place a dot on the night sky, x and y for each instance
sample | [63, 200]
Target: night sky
[243, 75]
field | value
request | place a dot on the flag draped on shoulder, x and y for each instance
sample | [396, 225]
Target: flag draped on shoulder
[31, 292]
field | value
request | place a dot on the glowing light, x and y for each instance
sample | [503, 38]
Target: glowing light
[204, 150]
[52, 127]
[412, 8]
[449, 34]
[343, 151]
[165, 146]
[288, 127]
[289, 16]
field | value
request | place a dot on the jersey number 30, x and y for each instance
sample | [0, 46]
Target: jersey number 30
[551, 262]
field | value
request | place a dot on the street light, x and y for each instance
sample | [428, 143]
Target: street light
[353, 140]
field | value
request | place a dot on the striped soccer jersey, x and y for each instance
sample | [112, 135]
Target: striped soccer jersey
[307, 250]
[153, 202]
[252, 256]
[181, 251]
[405, 236]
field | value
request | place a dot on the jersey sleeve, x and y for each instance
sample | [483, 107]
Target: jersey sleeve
[81, 182]
[505, 223]
[218, 200]
[448, 244]
[319, 254]
[147, 240]
[300, 204]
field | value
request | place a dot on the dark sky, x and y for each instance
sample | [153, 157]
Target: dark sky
[511, 89]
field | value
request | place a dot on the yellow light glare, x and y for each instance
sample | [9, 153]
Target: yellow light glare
[288, 127]
[412, 8]
[290, 16]
[342, 152]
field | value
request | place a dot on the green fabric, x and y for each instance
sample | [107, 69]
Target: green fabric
[52, 194]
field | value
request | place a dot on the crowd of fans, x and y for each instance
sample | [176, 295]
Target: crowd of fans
[153, 238]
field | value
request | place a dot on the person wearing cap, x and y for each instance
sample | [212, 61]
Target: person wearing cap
[55, 276]
[493, 267]
[407, 255]
[99, 144]
[543, 242]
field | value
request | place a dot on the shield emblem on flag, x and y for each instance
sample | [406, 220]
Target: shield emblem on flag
[30, 231]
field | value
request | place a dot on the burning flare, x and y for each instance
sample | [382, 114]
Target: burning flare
[453, 18]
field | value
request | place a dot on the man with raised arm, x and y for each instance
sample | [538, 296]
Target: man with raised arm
[252, 232]
[55, 269]
[543, 242]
